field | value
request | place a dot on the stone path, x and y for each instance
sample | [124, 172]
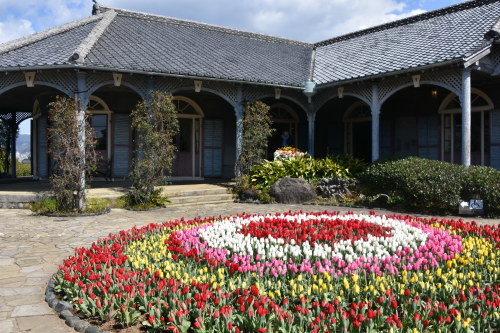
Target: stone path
[32, 247]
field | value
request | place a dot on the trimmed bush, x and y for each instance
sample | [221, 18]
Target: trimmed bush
[433, 185]
[313, 170]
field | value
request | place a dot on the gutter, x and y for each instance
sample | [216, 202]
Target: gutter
[131, 71]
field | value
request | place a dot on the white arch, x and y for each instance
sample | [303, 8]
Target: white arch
[212, 91]
[193, 104]
[410, 84]
[335, 95]
[96, 87]
[100, 101]
[451, 96]
[41, 83]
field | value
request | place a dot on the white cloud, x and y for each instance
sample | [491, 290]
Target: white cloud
[23, 17]
[308, 20]
[14, 28]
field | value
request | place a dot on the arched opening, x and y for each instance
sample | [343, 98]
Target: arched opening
[285, 123]
[100, 120]
[109, 112]
[289, 124]
[358, 131]
[450, 111]
[343, 125]
[188, 162]
[208, 130]
[23, 113]
[410, 123]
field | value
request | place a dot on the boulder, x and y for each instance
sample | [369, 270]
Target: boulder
[292, 191]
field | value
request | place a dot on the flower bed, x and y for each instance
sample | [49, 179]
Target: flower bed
[291, 272]
[285, 153]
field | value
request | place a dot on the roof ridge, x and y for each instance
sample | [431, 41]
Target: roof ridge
[412, 19]
[186, 22]
[23, 41]
[88, 43]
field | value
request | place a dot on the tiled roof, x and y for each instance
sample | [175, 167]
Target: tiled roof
[54, 49]
[125, 40]
[131, 41]
[153, 43]
[452, 33]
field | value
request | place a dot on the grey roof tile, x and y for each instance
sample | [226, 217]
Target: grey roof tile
[53, 50]
[451, 33]
[173, 46]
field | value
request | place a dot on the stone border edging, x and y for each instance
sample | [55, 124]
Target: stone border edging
[106, 210]
[63, 309]
[144, 210]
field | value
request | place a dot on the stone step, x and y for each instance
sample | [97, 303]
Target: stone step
[219, 202]
[197, 192]
[200, 199]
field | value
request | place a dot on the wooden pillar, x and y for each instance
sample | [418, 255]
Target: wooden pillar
[466, 117]
[375, 109]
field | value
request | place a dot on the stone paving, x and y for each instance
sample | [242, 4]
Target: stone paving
[32, 247]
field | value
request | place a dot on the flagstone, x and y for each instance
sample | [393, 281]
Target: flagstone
[7, 326]
[39, 309]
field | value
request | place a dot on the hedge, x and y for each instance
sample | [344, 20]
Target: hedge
[434, 185]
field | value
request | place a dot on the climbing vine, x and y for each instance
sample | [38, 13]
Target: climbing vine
[73, 160]
[155, 123]
[256, 133]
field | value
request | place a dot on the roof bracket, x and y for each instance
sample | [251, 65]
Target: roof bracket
[416, 81]
[30, 79]
[277, 93]
[117, 78]
[340, 92]
[197, 85]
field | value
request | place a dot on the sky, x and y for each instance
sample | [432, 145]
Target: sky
[306, 20]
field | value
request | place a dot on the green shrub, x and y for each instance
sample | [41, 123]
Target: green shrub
[354, 166]
[433, 185]
[52, 206]
[312, 170]
[46, 206]
[483, 183]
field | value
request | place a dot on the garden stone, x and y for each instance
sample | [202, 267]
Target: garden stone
[63, 306]
[92, 329]
[66, 314]
[292, 191]
[53, 303]
[381, 200]
[72, 320]
[81, 325]
[248, 195]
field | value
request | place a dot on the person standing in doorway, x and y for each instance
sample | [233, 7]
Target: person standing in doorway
[284, 139]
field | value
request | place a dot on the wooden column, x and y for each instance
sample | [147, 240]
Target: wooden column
[466, 117]
[311, 118]
[375, 109]
[82, 99]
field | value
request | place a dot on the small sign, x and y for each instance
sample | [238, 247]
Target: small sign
[471, 207]
[476, 204]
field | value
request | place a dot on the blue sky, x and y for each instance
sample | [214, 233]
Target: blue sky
[307, 20]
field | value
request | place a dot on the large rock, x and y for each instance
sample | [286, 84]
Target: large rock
[292, 191]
